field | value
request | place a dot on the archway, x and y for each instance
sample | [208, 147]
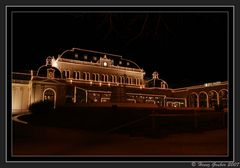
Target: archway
[203, 99]
[213, 99]
[50, 96]
[193, 100]
[223, 97]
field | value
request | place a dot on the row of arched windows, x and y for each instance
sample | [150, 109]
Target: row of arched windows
[103, 77]
[210, 99]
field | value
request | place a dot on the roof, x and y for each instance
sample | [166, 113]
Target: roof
[42, 71]
[94, 56]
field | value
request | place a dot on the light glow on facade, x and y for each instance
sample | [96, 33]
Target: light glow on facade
[82, 80]
[55, 62]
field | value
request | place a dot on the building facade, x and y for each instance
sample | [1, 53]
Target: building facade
[79, 76]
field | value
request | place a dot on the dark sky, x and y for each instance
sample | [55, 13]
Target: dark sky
[185, 48]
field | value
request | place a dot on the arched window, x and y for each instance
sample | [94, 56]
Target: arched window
[130, 81]
[123, 79]
[127, 80]
[67, 74]
[88, 76]
[213, 98]
[111, 78]
[84, 75]
[115, 79]
[97, 77]
[103, 77]
[76, 75]
[203, 102]
[223, 98]
[193, 100]
[120, 79]
[94, 76]
[50, 96]
[106, 78]
[137, 81]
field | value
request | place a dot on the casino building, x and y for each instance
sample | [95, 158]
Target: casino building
[79, 76]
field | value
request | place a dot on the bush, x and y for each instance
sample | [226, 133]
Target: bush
[41, 107]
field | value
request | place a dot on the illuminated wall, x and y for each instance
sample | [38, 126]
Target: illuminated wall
[106, 78]
[20, 97]
[108, 72]
[40, 87]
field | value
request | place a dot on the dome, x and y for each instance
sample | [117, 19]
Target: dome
[156, 82]
[49, 70]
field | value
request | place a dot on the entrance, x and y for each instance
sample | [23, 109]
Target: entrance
[50, 96]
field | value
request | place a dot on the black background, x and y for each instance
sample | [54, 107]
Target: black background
[186, 48]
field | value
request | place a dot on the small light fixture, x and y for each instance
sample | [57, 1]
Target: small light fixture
[105, 64]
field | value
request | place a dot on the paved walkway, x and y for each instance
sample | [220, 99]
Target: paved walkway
[60, 141]
[16, 117]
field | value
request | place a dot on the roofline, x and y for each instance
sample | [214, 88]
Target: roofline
[198, 86]
[104, 53]
[80, 49]
[132, 62]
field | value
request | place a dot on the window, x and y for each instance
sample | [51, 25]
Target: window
[213, 99]
[104, 77]
[49, 95]
[223, 96]
[97, 77]
[115, 79]
[84, 75]
[88, 76]
[66, 74]
[85, 57]
[137, 81]
[76, 56]
[76, 75]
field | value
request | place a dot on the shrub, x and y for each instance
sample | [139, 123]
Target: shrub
[41, 107]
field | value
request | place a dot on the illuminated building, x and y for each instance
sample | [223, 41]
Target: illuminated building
[80, 76]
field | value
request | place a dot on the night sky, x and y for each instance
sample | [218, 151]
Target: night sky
[185, 48]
